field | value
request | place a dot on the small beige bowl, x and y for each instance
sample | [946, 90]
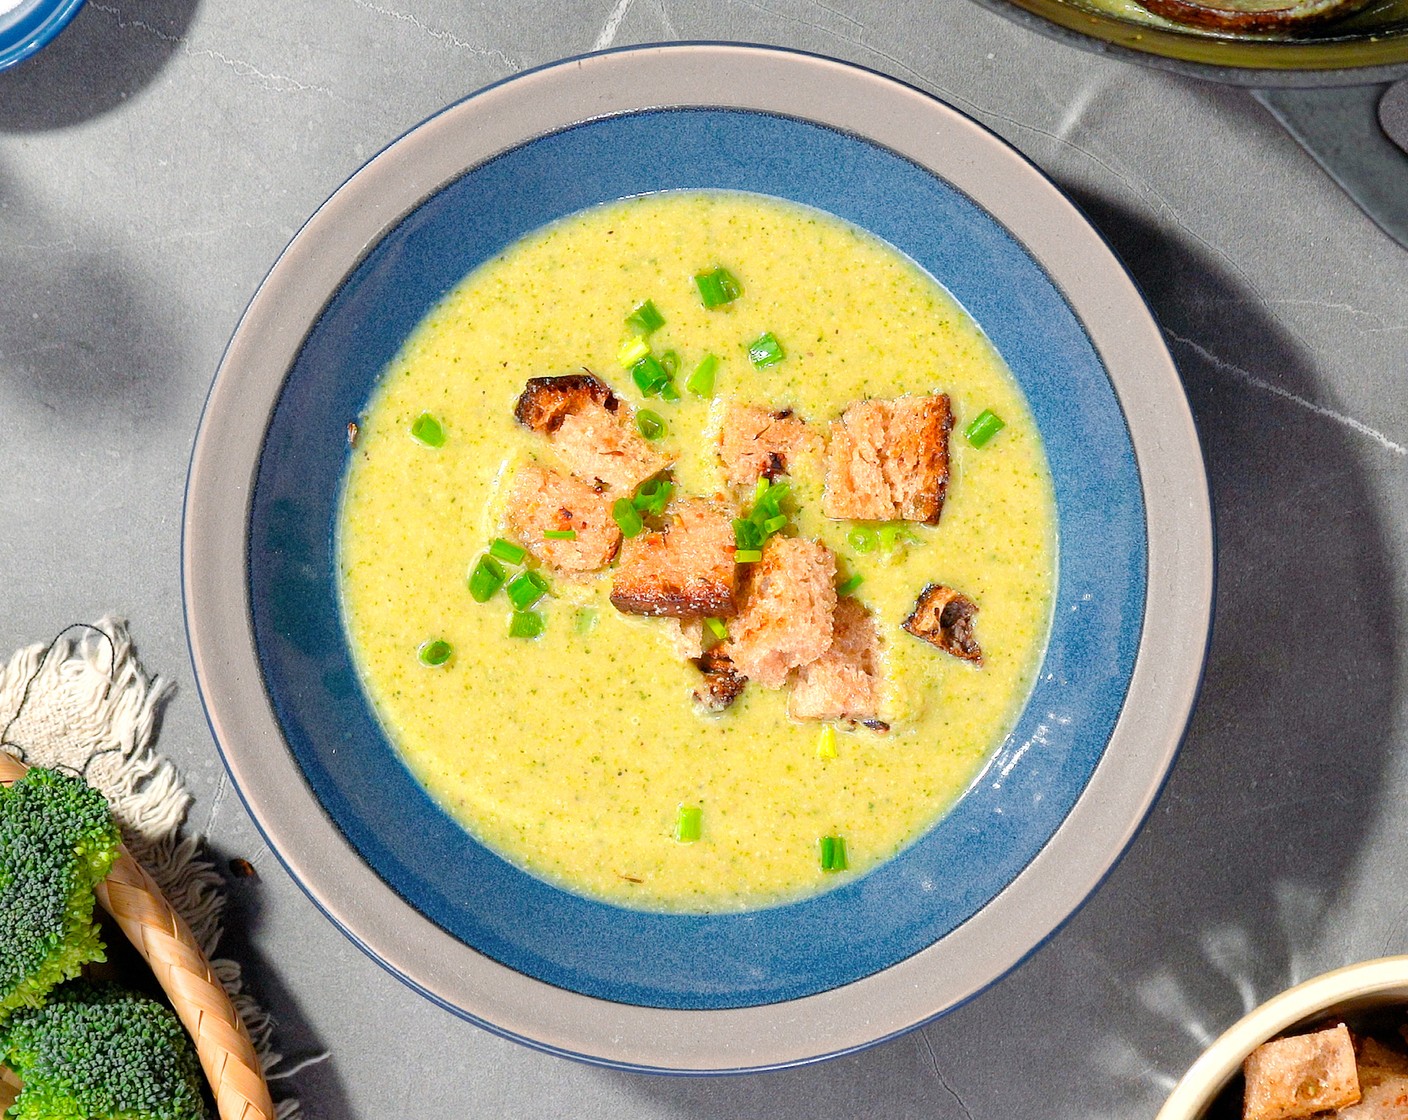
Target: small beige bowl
[1348, 991]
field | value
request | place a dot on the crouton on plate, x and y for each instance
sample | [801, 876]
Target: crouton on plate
[844, 682]
[549, 501]
[590, 429]
[684, 570]
[785, 613]
[1297, 1077]
[757, 442]
[888, 460]
[944, 617]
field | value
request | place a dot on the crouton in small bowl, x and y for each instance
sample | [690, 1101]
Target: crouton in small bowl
[698, 558]
[1332, 1046]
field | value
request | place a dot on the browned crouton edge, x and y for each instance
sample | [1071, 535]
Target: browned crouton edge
[546, 401]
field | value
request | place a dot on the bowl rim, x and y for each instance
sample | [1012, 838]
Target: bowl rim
[35, 35]
[1180, 564]
[1210, 1073]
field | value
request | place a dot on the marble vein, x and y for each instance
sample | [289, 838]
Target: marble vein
[441, 35]
[1224, 366]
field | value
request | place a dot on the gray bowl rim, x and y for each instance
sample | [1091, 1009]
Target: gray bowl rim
[1172, 647]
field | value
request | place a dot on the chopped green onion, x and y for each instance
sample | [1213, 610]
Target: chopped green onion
[486, 578]
[649, 424]
[987, 425]
[746, 555]
[435, 652]
[668, 392]
[525, 589]
[890, 536]
[632, 350]
[850, 585]
[773, 524]
[701, 381]
[826, 742]
[687, 824]
[747, 534]
[718, 287]
[586, 620]
[833, 853]
[645, 319]
[559, 534]
[507, 551]
[624, 513]
[765, 351]
[525, 624]
[862, 539]
[649, 376]
[760, 489]
[717, 628]
[427, 429]
[653, 497]
[670, 362]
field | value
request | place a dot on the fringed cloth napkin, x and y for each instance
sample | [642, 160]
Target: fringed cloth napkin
[84, 704]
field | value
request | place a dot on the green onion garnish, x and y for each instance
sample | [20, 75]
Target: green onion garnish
[717, 628]
[826, 743]
[687, 824]
[833, 853]
[486, 577]
[624, 512]
[525, 624]
[427, 429]
[862, 539]
[649, 376]
[435, 652]
[507, 551]
[645, 319]
[653, 497]
[890, 536]
[773, 524]
[649, 424]
[586, 620]
[670, 362]
[559, 534]
[765, 351]
[850, 585]
[701, 381]
[987, 425]
[746, 555]
[525, 589]
[718, 287]
[632, 350]
[668, 392]
[747, 534]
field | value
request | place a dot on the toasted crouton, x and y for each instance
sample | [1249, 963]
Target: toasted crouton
[590, 429]
[1291, 1078]
[943, 617]
[785, 612]
[684, 570]
[1383, 1081]
[755, 442]
[888, 460]
[543, 500]
[844, 682]
[685, 636]
[723, 684]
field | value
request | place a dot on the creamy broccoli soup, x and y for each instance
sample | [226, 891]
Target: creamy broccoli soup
[588, 741]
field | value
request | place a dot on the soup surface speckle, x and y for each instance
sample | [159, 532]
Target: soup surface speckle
[571, 753]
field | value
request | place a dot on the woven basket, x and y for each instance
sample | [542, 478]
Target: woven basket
[159, 934]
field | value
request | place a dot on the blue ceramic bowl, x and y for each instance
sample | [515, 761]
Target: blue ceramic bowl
[1035, 832]
[30, 25]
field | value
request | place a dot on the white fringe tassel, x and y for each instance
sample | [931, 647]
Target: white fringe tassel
[84, 704]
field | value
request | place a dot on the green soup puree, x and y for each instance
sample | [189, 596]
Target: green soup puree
[571, 753]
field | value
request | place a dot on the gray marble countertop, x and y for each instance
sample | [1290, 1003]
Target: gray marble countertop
[156, 158]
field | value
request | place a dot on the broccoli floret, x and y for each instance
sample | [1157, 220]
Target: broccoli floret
[102, 1052]
[57, 841]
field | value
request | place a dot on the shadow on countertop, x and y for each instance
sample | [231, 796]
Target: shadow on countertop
[1235, 877]
[109, 52]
